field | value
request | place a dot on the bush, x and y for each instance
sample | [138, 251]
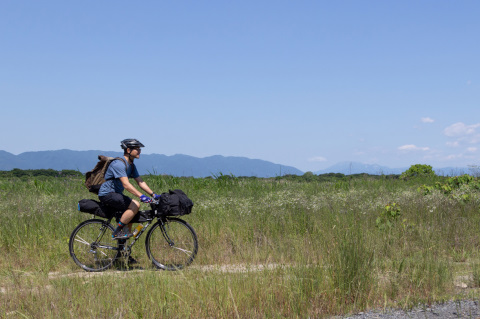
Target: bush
[418, 170]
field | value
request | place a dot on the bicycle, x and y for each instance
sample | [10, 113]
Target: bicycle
[171, 243]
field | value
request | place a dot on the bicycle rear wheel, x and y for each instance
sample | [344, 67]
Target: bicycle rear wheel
[92, 246]
[171, 244]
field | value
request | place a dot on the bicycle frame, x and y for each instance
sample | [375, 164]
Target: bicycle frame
[146, 225]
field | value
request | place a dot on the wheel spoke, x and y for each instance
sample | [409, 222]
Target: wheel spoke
[81, 240]
[103, 253]
[188, 252]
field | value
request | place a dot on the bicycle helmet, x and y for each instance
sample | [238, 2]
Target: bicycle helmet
[130, 143]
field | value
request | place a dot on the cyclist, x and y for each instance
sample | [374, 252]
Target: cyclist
[117, 180]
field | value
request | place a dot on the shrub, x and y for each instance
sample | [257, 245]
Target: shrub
[418, 170]
[388, 216]
[452, 184]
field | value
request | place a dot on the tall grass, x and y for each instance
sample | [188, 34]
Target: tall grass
[321, 250]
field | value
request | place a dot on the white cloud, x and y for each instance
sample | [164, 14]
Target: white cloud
[407, 147]
[317, 159]
[454, 156]
[474, 139]
[427, 120]
[460, 129]
[411, 147]
[453, 144]
[472, 149]
[462, 134]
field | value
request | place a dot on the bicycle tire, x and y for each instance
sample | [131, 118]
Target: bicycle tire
[176, 248]
[92, 247]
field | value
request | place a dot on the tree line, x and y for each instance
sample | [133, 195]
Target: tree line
[16, 172]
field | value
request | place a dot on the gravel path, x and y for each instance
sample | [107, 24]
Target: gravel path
[451, 309]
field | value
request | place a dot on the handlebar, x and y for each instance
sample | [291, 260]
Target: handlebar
[154, 202]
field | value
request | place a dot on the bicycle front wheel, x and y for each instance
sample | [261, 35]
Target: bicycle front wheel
[92, 246]
[171, 244]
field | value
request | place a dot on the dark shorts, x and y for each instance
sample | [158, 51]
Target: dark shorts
[117, 202]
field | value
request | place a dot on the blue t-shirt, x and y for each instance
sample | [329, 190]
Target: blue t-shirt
[116, 170]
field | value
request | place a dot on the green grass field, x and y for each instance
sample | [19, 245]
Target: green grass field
[268, 248]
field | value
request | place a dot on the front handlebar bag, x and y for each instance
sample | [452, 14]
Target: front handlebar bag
[174, 203]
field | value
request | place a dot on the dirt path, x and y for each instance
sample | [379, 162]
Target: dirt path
[459, 282]
[238, 268]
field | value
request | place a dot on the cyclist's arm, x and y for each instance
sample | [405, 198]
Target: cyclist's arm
[129, 187]
[143, 186]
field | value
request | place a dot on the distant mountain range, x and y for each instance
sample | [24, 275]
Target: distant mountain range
[184, 165]
[176, 165]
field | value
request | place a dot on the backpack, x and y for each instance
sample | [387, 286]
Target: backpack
[174, 203]
[96, 177]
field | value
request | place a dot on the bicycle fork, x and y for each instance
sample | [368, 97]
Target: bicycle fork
[170, 242]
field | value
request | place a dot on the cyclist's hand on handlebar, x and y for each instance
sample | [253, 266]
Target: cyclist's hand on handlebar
[156, 197]
[145, 199]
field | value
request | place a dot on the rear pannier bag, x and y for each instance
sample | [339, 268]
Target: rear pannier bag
[93, 207]
[96, 208]
[174, 203]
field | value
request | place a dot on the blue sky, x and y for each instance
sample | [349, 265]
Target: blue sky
[300, 83]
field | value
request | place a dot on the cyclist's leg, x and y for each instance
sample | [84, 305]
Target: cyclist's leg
[125, 207]
[130, 213]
